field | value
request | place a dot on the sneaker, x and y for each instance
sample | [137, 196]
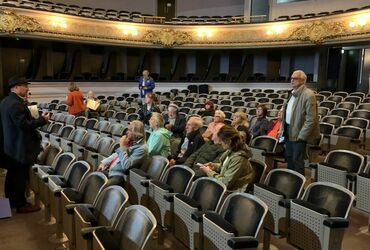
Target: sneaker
[28, 208]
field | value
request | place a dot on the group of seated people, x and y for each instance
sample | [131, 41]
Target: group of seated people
[219, 150]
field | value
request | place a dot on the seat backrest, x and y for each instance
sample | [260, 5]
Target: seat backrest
[78, 135]
[361, 113]
[335, 199]
[104, 144]
[265, 142]
[333, 119]
[245, 212]
[55, 128]
[102, 125]
[116, 129]
[289, 182]
[66, 131]
[63, 162]
[134, 228]
[326, 128]
[49, 156]
[69, 119]
[259, 168]
[76, 173]
[208, 192]
[90, 123]
[357, 122]
[351, 161]
[91, 187]
[109, 204]
[179, 178]
[79, 120]
[157, 166]
[90, 139]
[349, 131]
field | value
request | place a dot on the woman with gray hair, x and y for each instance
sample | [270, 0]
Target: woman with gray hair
[132, 153]
[159, 139]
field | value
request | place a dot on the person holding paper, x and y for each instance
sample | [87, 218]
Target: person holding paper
[21, 142]
[92, 105]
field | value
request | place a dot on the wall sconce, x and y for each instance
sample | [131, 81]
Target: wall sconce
[359, 21]
[205, 33]
[129, 30]
[275, 30]
[58, 22]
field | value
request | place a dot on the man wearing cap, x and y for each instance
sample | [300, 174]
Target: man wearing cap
[22, 142]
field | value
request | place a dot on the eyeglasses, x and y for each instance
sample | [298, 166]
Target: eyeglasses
[295, 78]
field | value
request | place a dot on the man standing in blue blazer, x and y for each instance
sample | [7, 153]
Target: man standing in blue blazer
[146, 83]
[22, 142]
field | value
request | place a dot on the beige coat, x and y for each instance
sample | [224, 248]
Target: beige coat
[304, 123]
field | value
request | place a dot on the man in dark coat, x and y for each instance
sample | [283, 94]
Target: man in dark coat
[22, 142]
[146, 83]
[191, 142]
[174, 122]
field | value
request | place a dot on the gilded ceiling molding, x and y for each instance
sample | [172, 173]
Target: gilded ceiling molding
[15, 23]
[167, 37]
[318, 31]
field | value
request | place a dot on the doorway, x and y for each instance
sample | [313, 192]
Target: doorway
[166, 8]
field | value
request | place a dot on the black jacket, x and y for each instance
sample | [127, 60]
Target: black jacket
[195, 142]
[145, 114]
[179, 126]
[22, 142]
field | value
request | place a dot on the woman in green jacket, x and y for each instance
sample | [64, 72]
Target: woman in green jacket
[234, 169]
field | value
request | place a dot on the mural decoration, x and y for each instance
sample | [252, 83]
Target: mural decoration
[318, 31]
[15, 23]
[167, 37]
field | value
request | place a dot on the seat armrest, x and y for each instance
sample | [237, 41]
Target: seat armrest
[145, 183]
[352, 176]
[336, 223]
[271, 189]
[269, 153]
[365, 175]
[221, 222]
[94, 156]
[169, 197]
[284, 203]
[197, 216]
[87, 232]
[69, 144]
[139, 172]
[86, 212]
[313, 165]
[312, 207]
[72, 194]
[314, 147]
[242, 242]
[81, 150]
[189, 201]
[333, 166]
[106, 239]
[162, 185]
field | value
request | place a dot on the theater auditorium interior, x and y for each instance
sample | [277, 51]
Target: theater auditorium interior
[235, 54]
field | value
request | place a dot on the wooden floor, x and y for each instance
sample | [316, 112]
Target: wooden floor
[24, 232]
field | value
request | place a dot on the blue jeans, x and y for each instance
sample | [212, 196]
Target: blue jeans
[295, 152]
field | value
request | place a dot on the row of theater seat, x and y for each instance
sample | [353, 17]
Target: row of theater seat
[99, 13]
[188, 219]
[324, 13]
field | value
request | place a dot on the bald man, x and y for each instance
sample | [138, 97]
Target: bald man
[301, 123]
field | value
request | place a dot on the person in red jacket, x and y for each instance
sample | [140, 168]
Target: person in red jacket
[75, 100]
